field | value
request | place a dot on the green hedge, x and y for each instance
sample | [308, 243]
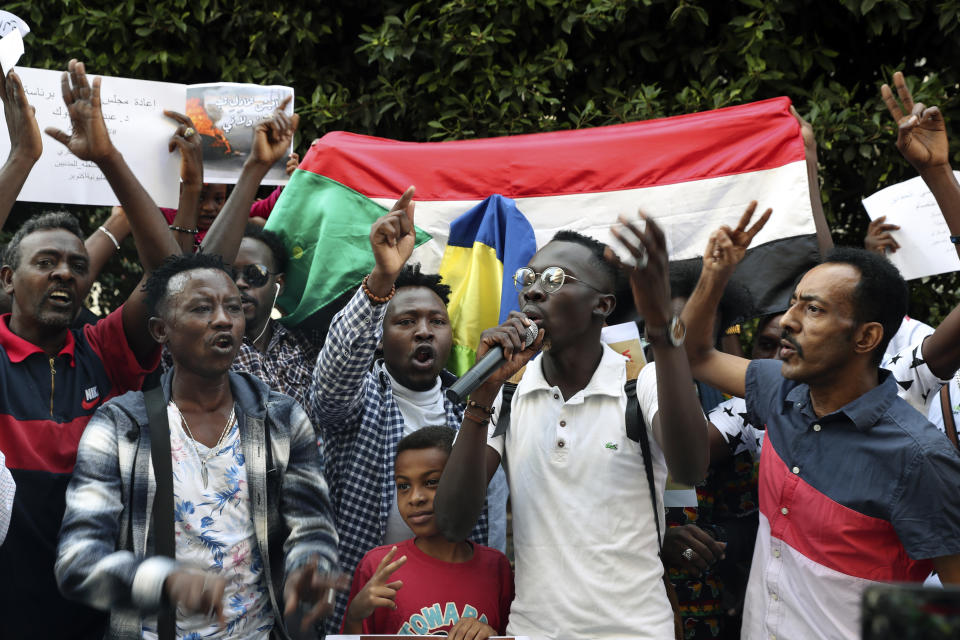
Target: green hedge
[437, 70]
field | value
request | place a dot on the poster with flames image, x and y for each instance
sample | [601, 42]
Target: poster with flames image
[225, 115]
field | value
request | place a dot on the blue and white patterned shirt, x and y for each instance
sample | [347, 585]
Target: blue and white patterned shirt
[351, 403]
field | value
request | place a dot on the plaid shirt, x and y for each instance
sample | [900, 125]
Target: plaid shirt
[105, 556]
[7, 489]
[361, 424]
[287, 365]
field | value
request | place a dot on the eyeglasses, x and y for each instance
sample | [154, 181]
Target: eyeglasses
[551, 279]
[256, 275]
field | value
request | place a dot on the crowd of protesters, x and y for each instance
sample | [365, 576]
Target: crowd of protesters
[189, 467]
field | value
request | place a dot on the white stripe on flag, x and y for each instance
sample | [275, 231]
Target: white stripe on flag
[688, 212]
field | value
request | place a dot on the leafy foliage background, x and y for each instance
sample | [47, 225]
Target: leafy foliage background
[439, 70]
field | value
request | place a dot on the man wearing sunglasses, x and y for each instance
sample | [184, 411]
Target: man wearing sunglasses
[283, 358]
[585, 528]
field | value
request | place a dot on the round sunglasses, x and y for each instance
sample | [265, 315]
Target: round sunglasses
[551, 279]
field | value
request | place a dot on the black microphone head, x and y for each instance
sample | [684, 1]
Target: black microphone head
[531, 335]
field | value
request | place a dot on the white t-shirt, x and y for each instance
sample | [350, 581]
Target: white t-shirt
[214, 532]
[583, 529]
[419, 409]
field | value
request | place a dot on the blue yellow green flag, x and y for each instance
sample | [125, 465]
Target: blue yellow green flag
[487, 245]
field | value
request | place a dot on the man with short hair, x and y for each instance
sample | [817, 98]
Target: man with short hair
[54, 377]
[585, 532]
[283, 358]
[856, 487]
[252, 518]
[363, 407]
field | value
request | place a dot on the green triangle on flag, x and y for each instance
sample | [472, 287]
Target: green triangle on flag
[325, 226]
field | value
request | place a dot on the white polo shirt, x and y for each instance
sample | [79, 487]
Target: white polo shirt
[583, 529]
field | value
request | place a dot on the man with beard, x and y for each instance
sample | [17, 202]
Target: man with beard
[363, 407]
[251, 517]
[54, 377]
[586, 534]
[856, 487]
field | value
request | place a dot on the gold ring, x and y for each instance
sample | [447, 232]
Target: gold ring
[188, 132]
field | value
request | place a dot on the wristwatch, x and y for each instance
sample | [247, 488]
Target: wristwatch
[672, 334]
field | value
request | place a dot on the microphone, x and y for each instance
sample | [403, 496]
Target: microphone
[484, 368]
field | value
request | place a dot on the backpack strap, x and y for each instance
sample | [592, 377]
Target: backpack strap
[506, 405]
[949, 425]
[163, 499]
[637, 431]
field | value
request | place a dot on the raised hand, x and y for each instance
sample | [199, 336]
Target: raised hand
[272, 137]
[191, 149]
[726, 247]
[379, 590]
[649, 276]
[197, 592]
[806, 132]
[292, 163]
[89, 139]
[22, 127]
[313, 588]
[392, 238]
[878, 238]
[921, 134]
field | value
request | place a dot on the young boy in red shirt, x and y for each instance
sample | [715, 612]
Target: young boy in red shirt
[428, 584]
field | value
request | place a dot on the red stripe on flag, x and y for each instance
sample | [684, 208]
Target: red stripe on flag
[745, 138]
[828, 533]
[41, 445]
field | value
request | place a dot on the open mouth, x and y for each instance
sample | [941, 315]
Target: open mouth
[60, 297]
[223, 341]
[787, 349]
[533, 314]
[424, 355]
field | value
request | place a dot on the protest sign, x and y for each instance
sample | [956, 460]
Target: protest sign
[225, 114]
[133, 112]
[924, 239]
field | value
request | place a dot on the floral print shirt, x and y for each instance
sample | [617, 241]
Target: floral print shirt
[214, 532]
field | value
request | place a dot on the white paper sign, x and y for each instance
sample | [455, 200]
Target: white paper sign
[9, 22]
[133, 112]
[924, 239]
[11, 48]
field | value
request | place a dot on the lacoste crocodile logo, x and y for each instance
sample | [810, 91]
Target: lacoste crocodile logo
[612, 446]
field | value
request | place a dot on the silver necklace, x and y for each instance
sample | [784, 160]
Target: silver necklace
[193, 441]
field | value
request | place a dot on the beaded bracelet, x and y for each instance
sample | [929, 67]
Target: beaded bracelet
[111, 236]
[474, 405]
[174, 227]
[377, 299]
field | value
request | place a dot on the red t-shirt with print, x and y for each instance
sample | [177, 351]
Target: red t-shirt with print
[436, 594]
